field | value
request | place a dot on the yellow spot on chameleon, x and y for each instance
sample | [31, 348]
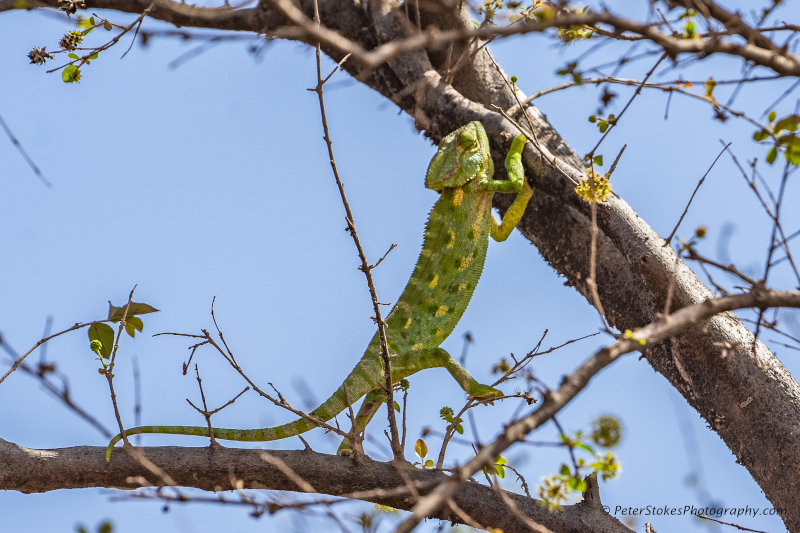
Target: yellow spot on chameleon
[433, 282]
[458, 196]
[408, 323]
[452, 240]
[442, 310]
[462, 286]
[464, 262]
[417, 347]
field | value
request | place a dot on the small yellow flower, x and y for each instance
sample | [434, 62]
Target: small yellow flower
[71, 40]
[628, 334]
[595, 189]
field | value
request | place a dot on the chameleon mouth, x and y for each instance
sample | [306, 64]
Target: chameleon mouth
[449, 174]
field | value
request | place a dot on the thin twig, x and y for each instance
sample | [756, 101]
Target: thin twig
[636, 93]
[22, 357]
[737, 526]
[23, 153]
[397, 450]
[697, 187]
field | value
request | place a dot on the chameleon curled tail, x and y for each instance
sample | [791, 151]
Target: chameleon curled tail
[437, 294]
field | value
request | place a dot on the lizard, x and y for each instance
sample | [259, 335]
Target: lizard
[437, 294]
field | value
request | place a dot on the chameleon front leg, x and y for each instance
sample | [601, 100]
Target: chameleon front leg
[410, 363]
[515, 183]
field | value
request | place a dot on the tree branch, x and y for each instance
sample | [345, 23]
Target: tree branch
[32, 471]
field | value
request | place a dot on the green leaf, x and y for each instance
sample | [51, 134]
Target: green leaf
[115, 314]
[73, 56]
[593, 118]
[459, 429]
[93, 56]
[586, 447]
[772, 155]
[103, 333]
[793, 151]
[70, 74]
[577, 484]
[565, 471]
[421, 449]
[787, 123]
[689, 27]
[771, 116]
[429, 463]
[603, 126]
[397, 407]
[132, 323]
[760, 135]
[498, 466]
[598, 160]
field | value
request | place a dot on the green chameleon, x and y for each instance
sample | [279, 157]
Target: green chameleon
[451, 261]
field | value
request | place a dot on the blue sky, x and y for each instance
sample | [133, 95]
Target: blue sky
[211, 180]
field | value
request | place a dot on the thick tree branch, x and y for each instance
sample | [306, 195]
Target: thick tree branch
[272, 19]
[29, 471]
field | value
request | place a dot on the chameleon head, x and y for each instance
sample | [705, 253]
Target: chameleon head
[463, 156]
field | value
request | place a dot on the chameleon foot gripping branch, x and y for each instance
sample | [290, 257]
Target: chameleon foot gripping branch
[437, 294]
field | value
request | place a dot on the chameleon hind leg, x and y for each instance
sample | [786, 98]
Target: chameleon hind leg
[408, 364]
[411, 363]
[372, 402]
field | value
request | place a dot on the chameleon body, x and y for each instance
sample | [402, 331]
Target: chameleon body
[437, 294]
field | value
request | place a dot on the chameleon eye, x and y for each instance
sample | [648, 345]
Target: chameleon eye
[467, 139]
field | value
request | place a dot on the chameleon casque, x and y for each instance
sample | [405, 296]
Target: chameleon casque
[451, 261]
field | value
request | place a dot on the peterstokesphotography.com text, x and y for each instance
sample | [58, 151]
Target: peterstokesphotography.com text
[685, 510]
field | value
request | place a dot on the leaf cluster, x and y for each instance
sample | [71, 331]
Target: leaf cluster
[783, 133]
[101, 335]
[557, 488]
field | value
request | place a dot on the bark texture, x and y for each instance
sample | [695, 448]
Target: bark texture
[218, 469]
